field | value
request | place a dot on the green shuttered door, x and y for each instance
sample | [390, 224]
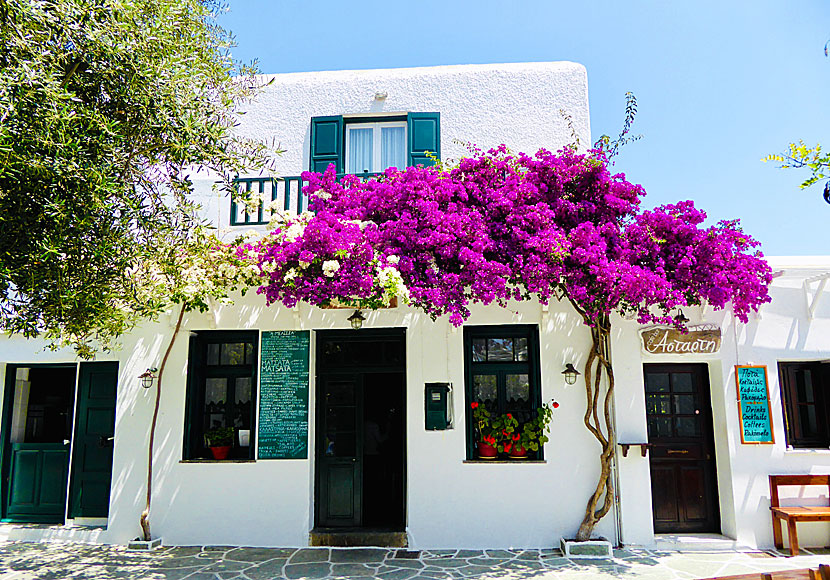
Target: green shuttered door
[93, 442]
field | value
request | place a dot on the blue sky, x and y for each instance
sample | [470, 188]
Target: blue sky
[719, 84]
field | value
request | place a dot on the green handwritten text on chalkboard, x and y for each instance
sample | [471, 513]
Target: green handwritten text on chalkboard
[756, 423]
[283, 402]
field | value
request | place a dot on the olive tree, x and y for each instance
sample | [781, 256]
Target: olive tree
[107, 109]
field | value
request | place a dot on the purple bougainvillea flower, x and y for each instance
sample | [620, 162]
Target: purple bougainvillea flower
[502, 227]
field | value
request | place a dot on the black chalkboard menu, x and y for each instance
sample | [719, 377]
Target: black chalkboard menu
[753, 403]
[283, 395]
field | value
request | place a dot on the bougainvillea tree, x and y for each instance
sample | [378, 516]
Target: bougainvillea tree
[502, 226]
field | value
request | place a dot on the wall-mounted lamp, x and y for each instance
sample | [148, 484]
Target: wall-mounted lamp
[381, 95]
[570, 374]
[357, 319]
[680, 318]
[148, 377]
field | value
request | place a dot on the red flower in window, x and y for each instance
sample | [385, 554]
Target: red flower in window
[508, 447]
[509, 416]
[474, 405]
[505, 433]
[516, 437]
[555, 405]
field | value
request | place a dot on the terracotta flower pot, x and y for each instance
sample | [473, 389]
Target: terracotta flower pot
[486, 451]
[220, 452]
[517, 452]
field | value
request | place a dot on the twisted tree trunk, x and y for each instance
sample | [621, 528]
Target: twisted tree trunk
[144, 520]
[601, 427]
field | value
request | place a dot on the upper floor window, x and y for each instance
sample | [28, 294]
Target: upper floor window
[221, 394]
[805, 391]
[373, 147]
[371, 144]
[356, 145]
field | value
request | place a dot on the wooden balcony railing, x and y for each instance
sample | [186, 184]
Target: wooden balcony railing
[286, 191]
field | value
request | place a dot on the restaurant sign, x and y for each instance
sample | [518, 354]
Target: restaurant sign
[699, 340]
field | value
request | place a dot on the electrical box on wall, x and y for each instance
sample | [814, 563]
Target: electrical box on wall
[437, 406]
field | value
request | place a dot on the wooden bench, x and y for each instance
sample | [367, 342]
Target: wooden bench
[823, 573]
[795, 514]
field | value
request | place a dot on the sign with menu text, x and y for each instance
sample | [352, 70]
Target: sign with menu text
[753, 404]
[283, 395]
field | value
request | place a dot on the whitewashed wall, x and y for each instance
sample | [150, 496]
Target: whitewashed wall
[487, 105]
[449, 502]
[269, 502]
[782, 331]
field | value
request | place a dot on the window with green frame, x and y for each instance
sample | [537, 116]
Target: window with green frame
[501, 369]
[365, 143]
[221, 391]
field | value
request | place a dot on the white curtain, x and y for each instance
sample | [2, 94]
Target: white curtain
[360, 150]
[392, 147]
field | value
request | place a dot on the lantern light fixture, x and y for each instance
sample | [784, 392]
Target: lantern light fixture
[680, 318]
[148, 377]
[570, 374]
[357, 319]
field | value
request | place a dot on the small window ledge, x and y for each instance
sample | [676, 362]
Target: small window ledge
[217, 461]
[505, 461]
[806, 451]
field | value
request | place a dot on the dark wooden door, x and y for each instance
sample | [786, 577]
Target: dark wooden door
[682, 455]
[93, 440]
[360, 443]
[339, 450]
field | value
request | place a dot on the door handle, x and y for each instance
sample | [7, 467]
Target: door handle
[105, 441]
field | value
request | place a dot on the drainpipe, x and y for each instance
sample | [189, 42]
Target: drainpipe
[614, 465]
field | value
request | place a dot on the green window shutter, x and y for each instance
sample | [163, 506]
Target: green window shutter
[326, 143]
[424, 134]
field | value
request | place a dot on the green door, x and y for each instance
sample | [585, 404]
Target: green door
[37, 492]
[37, 427]
[93, 440]
[360, 446]
[339, 451]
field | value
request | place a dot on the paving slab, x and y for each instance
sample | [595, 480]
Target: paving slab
[401, 563]
[309, 555]
[400, 574]
[359, 555]
[314, 571]
[351, 571]
[258, 554]
[448, 562]
[266, 570]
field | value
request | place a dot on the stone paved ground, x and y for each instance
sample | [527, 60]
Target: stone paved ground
[60, 561]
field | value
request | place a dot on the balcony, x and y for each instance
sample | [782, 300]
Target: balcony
[286, 191]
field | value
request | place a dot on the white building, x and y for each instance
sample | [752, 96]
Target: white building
[342, 440]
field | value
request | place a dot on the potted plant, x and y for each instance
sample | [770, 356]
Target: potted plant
[220, 441]
[506, 427]
[517, 439]
[486, 434]
[533, 433]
